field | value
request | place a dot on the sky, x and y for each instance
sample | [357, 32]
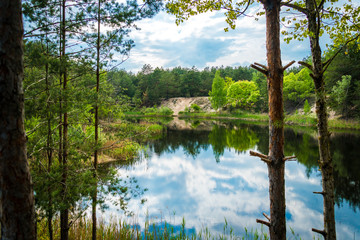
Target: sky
[202, 42]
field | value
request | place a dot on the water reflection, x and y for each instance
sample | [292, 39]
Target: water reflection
[206, 175]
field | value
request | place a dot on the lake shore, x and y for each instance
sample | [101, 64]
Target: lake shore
[290, 120]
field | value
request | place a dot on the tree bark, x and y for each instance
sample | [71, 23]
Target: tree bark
[49, 151]
[16, 190]
[276, 167]
[64, 213]
[326, 164]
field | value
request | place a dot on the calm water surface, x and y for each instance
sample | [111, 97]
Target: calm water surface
[205, 174]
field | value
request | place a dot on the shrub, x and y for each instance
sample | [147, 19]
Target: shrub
[165, 111]
[306, 107]
[195, 107]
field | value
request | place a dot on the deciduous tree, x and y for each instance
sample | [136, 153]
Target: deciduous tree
[218, 92]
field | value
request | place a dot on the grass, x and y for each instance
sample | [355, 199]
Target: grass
[82, 230]
[294, 119]
[344, 124]
[238, 115]
[152, 111]
[302, 120]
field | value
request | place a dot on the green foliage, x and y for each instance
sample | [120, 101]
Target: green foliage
[298, 86]
[261, 82]
[183, 9]
[150, 86]
[343, 16]
[218, 92]
[346, 63]
[195, 107]
[243, 94]
[340, 92]
[307, 107]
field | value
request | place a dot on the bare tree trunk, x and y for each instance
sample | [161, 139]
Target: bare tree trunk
[275, 159]
[16, 190]
[94, 203]
[276, 122]
[49, 151]
[64, 213]
[326, 164]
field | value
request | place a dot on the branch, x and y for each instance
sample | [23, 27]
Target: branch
[288, 65]
[260, 155]
[263, 222]
[322, 193]
[306, 65]
[259, 69]
[263, 157]
[267, 217]
[265, 160]
[321, 4]
[260, 65]
[296, 7]
[290, 158]
[327, 63]
[322, 232]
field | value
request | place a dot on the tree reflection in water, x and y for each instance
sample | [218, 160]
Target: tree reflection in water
[299, 142]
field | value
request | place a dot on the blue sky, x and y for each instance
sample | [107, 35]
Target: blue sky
[202, 42]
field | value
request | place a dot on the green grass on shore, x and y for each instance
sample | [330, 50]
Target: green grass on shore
[293, 119]
[114, 230]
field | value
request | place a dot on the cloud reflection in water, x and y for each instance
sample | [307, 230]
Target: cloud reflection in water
[205, 191]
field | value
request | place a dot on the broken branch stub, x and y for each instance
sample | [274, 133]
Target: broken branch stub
[306, 65]
[267, 217]
[263, 222]
[260, 155]
[263, 157]
[263, 71]
[290, 158]
[322, 232]
[288, 65]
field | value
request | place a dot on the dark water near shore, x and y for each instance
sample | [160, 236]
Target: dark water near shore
[202, 171]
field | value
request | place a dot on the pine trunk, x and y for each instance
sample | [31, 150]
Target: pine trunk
[276, 122]
[16, 191]
[49, 151]
[64, 213]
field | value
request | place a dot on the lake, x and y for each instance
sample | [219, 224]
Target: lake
[202, 171]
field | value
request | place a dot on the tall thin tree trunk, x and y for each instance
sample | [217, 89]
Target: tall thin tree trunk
[64, 213]
[326, 164]
[16, 196]
[94, 221]
[276, 167]
[49, 151]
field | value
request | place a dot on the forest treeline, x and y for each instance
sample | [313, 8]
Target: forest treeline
[150, 86]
